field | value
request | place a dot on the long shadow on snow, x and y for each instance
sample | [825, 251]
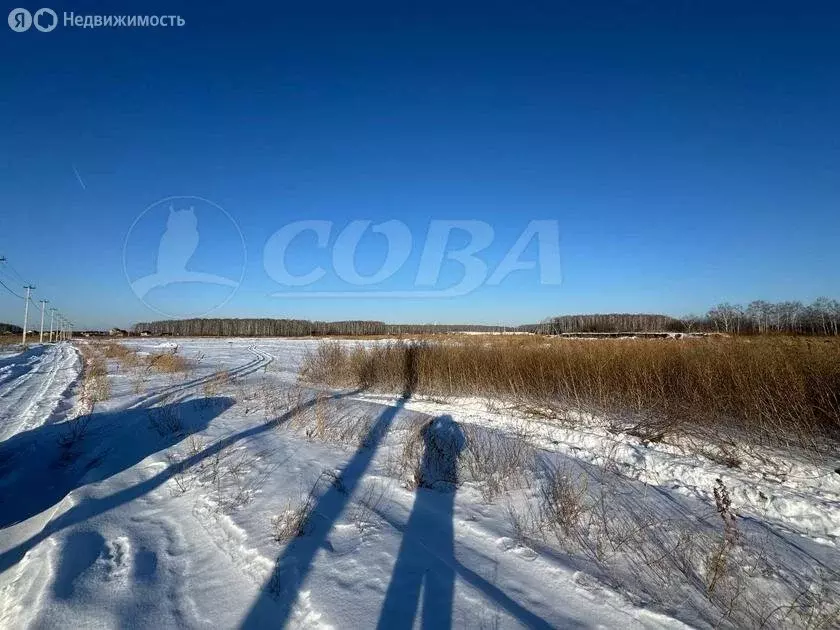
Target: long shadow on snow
[426, 562]
[37, 470]
[277, 598]
[206, 409]
[427, 551]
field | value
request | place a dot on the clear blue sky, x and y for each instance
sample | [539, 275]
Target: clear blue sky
[689, 151]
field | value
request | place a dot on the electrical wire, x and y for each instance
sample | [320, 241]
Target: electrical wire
[9, 266]
[3, 284]
[13, 276]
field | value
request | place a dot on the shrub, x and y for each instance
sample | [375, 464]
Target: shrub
[293, 522]
[167, 362]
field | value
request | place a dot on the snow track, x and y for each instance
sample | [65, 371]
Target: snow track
[35, 386]
[261, 360]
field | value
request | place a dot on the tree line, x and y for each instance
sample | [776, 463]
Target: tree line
[268, 327]
[821, 317]
[607, 323]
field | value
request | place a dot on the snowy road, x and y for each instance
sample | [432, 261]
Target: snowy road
[162, 512]
[35, 386]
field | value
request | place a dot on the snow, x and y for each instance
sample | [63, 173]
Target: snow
[135, 526]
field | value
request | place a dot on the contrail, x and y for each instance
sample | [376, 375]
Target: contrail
[79, 177]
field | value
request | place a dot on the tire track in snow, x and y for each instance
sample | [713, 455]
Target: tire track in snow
[33, 397]
[64, 362]
[260, 361]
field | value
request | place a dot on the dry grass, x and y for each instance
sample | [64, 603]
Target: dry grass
[784, 390]
[295, 520]
[128, 358]
[495, 461]
[703, 562]
[216, 383]
[167, 363]
[95, 384]
[326, 420]
[113, 350]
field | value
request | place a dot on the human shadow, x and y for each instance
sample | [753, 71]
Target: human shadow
[279, 594]
[427, 551]
[277, 598]
[499, 598]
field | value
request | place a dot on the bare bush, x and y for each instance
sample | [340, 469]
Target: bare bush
[234, 474]
[373, 496]
[410, 465]
[294, 520]
[496, 461]
[279, 399]
[167, 362]
[564, 503]
[75, 430]
[326, 363]
[324, 419]
[95, 384]
[524, 520]
[165, 420]
[719, 557]
[180, 476]
[215, 384]
[123, 354]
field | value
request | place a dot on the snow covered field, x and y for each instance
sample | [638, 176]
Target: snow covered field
[231, 495]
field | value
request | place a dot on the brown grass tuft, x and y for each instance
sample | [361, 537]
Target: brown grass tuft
[168, 363]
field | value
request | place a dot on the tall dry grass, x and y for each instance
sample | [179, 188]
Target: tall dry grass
[95, 384]
[785, 390]
[163, 362]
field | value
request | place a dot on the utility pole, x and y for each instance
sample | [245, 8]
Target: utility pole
[52, 319]
[28, 288]
[43, 304]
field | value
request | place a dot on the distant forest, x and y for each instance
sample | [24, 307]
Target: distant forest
[822, 317]
[6, 329]
[296, 328]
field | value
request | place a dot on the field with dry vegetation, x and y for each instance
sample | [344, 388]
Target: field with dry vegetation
[775, 390]
[532, 481]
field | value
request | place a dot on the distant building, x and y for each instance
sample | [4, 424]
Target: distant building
[118, 332]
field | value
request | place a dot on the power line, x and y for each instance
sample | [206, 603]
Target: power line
[15, 272]
[62, 333]
[17, 295]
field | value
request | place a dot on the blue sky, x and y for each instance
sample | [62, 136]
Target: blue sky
[689, 152]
